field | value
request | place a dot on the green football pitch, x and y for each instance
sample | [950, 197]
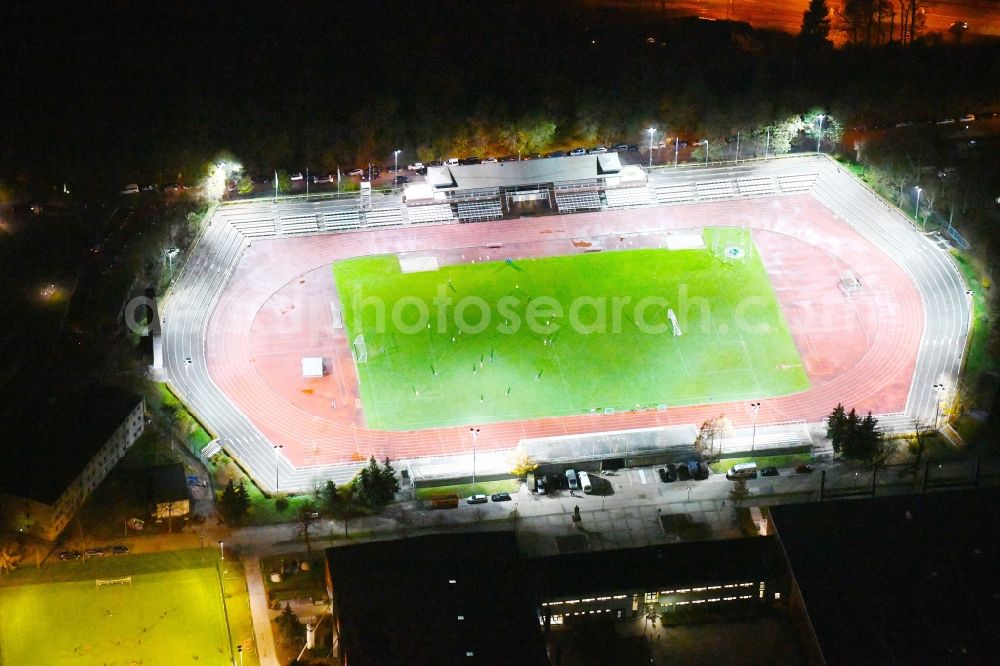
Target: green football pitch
[531, 338]
[174, 617]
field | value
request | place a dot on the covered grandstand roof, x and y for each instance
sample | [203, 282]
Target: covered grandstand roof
[525, 172]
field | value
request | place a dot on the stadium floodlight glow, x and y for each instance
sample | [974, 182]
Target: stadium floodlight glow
[652, 131]
[916, 211]
[753, 437]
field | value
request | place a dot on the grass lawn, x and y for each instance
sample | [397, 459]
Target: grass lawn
[497, 367]
[781, 462]
[466, 489]
[172, 611]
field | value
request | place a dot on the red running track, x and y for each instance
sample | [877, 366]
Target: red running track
[276, 309]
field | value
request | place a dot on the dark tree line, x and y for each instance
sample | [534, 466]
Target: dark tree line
[151, 93]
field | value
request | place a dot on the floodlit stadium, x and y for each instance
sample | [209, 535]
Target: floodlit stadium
[609, 303]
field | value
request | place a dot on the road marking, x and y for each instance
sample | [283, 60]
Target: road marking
[642, 476]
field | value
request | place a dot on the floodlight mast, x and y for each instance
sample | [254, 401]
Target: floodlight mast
[475, 438]
[652, 131]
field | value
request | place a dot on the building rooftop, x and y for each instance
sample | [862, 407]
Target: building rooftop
[440, 599]
[43, 458]
[655, 567]
[525, 172]
[900, 580]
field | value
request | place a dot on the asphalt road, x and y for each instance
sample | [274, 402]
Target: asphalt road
[186, 311]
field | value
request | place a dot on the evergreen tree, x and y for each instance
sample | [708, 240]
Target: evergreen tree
[815, 25]
[235, 502]
[836, 427]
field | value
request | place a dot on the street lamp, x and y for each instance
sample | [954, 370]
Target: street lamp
[475, 438]
[819, 137]
[222, 553]
[677, 147]
[277, 448]
[395, 157]
[916, 211]
[704, 142]
[753, 438]
[938, 390]
[652, 131]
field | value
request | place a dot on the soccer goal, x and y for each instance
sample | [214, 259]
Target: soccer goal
[127, 580]
[360, 349]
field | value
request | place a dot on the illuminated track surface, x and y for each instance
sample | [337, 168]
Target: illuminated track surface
[913, 334]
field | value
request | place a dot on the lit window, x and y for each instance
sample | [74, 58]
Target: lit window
[461, 617]
[777, 595]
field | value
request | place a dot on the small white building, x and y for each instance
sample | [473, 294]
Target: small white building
[312, 367]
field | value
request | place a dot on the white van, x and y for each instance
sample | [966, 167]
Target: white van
[451, 161]
[742, 471]
[571, 480]
[585, 482]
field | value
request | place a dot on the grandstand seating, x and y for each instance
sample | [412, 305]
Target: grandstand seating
[254, 227]
[630, 197]
[383, 217]
[715, 189]
[569, 202]
[340, 220]
[762, 186]
[298, 224]
[799, 182]
[479, 211]
[430, 214]
[672, 193]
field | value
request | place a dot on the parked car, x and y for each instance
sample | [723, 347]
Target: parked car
[477, 499]
[489, 160]
[803, 468]
[422, 171]
[574, 483]
[399, 180]
[500, 497]
[416, 166]
[152, 188]
[94, 552]
[699, 470]
[509, 158]
[131, 188]
[742, 471]
[434, 163]
[120, 550]
[769, 471]
[541, 484]
[667, 474]
[556, 153]
[297, 176]
[578, 151]
[967, 118]
[533, 156]
[451, 161]
[597, 150]
[356, 172]
[69, 555]
[683, 473]
[632, 147]
[469, 161]
[328, 178]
